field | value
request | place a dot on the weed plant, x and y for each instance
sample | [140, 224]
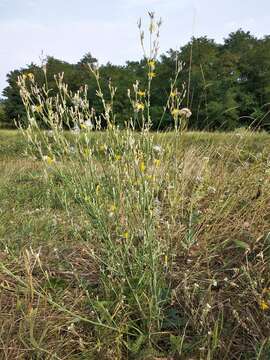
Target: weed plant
[175, 256]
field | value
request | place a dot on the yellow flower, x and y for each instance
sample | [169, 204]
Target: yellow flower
[173, 93]
[49, 160]
[30, 76]
[97, 188]
[184, 113]
[83, 126]
[112, 208]
[263, 305]
[151, 63]
[141, 93]
[38, 108]
[86, 152]
[142, 166]
[139, 106]
[175, 112]
[151, 74]
[117, 157]
[125, 235]
[157, 162]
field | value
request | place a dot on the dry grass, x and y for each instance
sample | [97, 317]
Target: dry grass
[214, 221]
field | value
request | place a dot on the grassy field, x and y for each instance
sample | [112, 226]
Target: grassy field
[185, 274]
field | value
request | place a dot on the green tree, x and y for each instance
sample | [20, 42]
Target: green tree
[3, 116]
[227, 85]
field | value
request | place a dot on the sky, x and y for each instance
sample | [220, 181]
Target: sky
[67, 29]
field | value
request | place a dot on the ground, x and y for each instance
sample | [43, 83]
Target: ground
[218, 268]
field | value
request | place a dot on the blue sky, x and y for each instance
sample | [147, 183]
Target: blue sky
[67, 29]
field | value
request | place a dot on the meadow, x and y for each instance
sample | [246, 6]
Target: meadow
[162, 255]
[117, 242]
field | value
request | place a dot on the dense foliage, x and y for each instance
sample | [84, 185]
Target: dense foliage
[227, 85]
[3, 119]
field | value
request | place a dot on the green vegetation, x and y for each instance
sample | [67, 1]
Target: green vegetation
[118, 242]
[3, 117]
[209, 202]
[227, 85]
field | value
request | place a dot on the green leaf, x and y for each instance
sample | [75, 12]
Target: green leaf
[242, 244]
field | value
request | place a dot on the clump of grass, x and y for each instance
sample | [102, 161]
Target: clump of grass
[162, 247]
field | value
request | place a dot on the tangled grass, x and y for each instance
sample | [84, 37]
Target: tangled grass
[169, 259]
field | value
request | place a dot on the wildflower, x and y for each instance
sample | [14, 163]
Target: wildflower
[83, 126]
[102, 148]
[49, 160]
[141, 93]
[157, 148]
[30, 76]
[173, 93]
[139, 106]
[142, 166]
[39, 108]
[125, 235]
[117, 157]
[112, 207]
[86, 152]
[157, 162]
[88, 124]
[185, 112]
[151, 74]
[151, 63]
[175, 112]
[263, 305]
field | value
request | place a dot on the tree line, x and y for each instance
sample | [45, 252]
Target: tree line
[227, 85]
